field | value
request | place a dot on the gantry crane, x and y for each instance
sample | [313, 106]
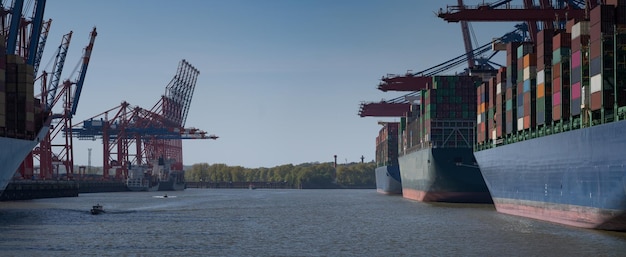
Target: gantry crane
[50, 154]
[413, 82]
[546, 13]
[149, 134]
[23, 37]
[43, 151]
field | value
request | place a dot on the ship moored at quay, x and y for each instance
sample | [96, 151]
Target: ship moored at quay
[387, 171]
[436, 159]
[552, 137]
[549, 127]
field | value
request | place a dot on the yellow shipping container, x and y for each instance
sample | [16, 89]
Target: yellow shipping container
[530, 60]
[541, 88]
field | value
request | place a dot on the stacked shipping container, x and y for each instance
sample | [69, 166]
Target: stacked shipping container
[20, 104]
[511, 88]
[526, 87]
[447, 114]
[579, 66]
[387, 144]
[499, 106]
[481, 121]
[485, 99]
[544, 77]
[561, 46]
[570, 70]
[3, 107]
[601, 30]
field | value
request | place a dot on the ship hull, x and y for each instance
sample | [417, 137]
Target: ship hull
[171, 185]
[442, 175]
[388, 180]
[575, 178]
[12, 154]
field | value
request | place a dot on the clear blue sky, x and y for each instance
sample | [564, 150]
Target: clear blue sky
[280, 81]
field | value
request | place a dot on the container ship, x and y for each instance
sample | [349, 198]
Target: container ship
[436, 158]
[159, 176]
[551, 125]
[21, 116]
[387, 169]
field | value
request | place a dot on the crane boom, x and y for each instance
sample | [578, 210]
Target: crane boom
[42, 45]
[58, 69]
[466, 39]
[83, 71]
[16, 17]
[36, 31]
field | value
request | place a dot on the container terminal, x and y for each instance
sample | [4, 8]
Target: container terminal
[37, 127]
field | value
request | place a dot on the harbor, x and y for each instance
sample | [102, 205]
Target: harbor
[243, 222]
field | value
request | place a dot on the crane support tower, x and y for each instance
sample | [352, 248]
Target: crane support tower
[136, 137]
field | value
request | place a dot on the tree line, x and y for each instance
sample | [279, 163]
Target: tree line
[306, 175]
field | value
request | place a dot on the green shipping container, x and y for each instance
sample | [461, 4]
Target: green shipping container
[541, 104]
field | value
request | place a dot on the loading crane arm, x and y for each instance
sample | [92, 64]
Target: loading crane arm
[83, 71]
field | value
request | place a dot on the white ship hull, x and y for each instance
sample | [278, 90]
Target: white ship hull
[12, 153]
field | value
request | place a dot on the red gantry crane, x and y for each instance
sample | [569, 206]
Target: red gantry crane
[531, 14]
[133, 136]
[55, 149]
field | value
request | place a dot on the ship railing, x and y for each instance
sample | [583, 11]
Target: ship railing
[573, 123]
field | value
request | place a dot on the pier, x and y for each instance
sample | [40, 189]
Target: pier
[27, 190]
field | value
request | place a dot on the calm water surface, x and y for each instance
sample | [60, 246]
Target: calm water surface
[242, 222]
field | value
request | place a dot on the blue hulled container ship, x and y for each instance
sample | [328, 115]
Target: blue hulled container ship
[387, 170]
[551, 130]
[436, 157]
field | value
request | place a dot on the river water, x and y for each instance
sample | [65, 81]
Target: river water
[275, 222]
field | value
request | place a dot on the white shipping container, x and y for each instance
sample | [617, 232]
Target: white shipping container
[520, 124]
[596, 83]
[580, 28]
[478, 119]
[498, 88]
[541, 77]
[530, 72]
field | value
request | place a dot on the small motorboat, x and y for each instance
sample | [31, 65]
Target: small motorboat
[97, 209]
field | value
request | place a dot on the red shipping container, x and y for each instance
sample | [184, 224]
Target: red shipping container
[579, 42]
[556, 70]
[576, 59]
[509, 94]
[526, 122]
[615, 2]
[556, 98]
[556, 86]
[595, 49]
[602, 13]
[491, 96]
[556, 112]
[561, 40]
[596, 101]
